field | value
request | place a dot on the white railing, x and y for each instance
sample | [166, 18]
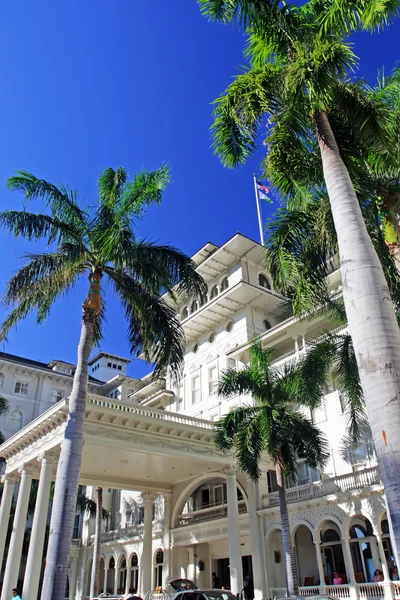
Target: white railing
[277, 592]
[338, 591]
[371, 590]
[294, 353]
[312, 590]
[396, 589]
[130, 531]
[212, 511]
[151, 413]
[327, 487]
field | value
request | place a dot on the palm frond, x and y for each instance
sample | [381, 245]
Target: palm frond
[88, 505]
[62, 201]
[4, 406]
[36, 226]
[239, 113]
[227, 428]
[111, 184]
[152, 325]
[145, 189]
[247, 381]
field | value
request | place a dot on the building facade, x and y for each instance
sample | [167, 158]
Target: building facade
[177, 507]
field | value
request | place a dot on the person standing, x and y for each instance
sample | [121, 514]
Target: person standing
[248, 588]
[15, 595]
[216, 582]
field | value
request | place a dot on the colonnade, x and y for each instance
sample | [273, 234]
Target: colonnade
[37, 537]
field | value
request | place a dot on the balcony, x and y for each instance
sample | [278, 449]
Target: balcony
[208, 513]
[327, 487]
[128, 532]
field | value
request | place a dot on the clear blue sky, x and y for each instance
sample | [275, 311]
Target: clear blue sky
[87, 85]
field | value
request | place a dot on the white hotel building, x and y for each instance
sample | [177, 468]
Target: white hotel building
[178, 507]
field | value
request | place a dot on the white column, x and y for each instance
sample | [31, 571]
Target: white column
[348, 561]
[381, 550]
[191, 570]
[36, 544]
[5, 509]
[375, 553]
[320, 568]
[167, 541]
[235, 559]
[105, 580]
[147, 557]
[256, 538]
[17, 537]
[128, 578]
[116, 578]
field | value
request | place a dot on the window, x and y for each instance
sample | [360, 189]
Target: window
[203, 299]
[179, 397]
[14, 421]
[263, 281]
[272, 482]
[267, 324]
[184, 313]
[231, 363]
[75, 533]
[195, 389]
[21, 388]
[343, 402]
[213, 417]
[229, 327]
[195, 348]
[212, 380]
[1, 381]
[141, 514]
[219, 494]
[119, 367]
[211, 339]
[114, 366]
[205, 497]
[57, 394]
[193, 306]
[224, 284]
[109, 364]
[319, 414]
[214, 292]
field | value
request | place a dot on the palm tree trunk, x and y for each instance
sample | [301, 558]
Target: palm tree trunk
[94, 583]
[292, 583]
[371, 318]
[69, 464]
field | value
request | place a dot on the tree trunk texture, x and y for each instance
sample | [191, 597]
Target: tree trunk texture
[95, 576]
[69, 464]
[371, 318]
[292, 582]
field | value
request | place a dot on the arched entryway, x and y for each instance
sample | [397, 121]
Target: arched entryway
[332, 551]
[363, 549]
[305, 554]
[275, 559]
[134, 578]
[122, 571]
[110, 575]
[158, 568]
[101, 574]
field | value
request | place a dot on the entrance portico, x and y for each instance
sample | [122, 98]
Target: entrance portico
[127, 447]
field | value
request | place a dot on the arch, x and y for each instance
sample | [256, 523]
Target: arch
[263, 281]
[382, 517]
[203, 298]
[224, 284]
[194, 306]
[298, 523]
[192, 486]
[184, 313]
[15, 420]
[214, 292]
[108, 560]
[271, 530]
[363, 523]
[120, 558]
[322, 520]
[365, 515]
[131, 556]
[156, 555]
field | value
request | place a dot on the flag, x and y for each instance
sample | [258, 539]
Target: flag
[262, 191]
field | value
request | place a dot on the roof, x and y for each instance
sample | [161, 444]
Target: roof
[37, 364]
[101, 353]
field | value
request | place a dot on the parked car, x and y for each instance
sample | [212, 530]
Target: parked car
[185, 589]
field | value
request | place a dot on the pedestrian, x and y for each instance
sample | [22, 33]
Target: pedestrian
[216, 582]
[337, 580]
[248, 588]
[395, 574]
[378, 575]
[15, 594]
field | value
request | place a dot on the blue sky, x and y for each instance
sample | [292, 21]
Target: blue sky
[87, 85]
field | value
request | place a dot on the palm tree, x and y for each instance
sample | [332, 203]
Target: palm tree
[276, 423]
[298, 90]
[101, 242]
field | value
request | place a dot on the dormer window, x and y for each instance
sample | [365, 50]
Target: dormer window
[264, 282]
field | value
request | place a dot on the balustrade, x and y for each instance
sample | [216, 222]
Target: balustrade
[327, 487]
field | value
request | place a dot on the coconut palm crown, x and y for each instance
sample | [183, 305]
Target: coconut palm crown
[102, 239]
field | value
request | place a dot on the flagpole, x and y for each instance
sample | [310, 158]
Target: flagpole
[258, 211]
